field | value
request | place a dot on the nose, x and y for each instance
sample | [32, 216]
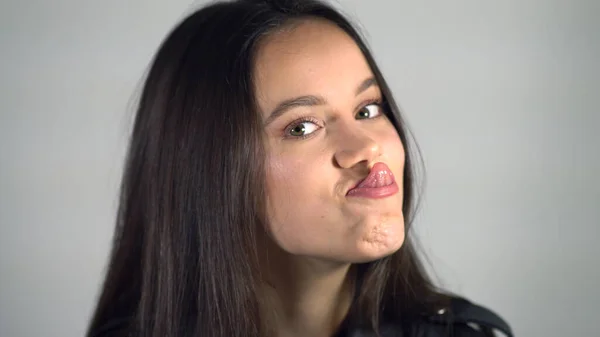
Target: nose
[356, 146]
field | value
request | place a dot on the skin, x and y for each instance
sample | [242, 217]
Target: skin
[315, 231]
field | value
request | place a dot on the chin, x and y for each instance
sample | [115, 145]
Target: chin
[379, 242]
[375, 250]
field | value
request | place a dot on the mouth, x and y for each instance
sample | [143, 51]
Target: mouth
[380, 183]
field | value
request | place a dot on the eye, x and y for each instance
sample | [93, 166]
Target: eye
[302, 129]
[369, 111]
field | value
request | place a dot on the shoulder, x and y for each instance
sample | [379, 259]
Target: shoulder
[461, 318]
[467, 319]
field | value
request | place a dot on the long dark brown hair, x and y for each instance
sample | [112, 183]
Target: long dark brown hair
[184, 260]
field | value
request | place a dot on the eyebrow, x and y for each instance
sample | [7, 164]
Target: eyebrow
[311, 100]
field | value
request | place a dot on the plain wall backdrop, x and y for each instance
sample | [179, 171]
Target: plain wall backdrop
[503, 97]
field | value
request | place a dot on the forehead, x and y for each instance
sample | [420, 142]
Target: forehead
[314, 57]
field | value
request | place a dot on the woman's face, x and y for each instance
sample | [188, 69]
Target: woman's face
[325, 133]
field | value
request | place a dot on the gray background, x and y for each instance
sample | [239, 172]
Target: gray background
[503, 97]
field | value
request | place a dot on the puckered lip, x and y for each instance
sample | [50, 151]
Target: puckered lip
[377, 169]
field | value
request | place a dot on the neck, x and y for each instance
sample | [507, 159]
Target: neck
[305, 296]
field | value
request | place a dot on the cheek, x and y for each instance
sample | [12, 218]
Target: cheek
[299, 200]
[394, 150]
[284, 194]
[276, 182]
[286, 185]
[295, 173]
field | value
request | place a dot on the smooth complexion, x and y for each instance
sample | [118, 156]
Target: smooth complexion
[324, 131]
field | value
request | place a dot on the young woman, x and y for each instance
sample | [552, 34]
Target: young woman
[269, 190]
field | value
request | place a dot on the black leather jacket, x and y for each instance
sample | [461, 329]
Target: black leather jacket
[462, 319]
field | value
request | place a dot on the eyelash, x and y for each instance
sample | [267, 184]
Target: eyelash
[377, 101]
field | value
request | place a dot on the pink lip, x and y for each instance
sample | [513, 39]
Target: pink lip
[380, 183]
